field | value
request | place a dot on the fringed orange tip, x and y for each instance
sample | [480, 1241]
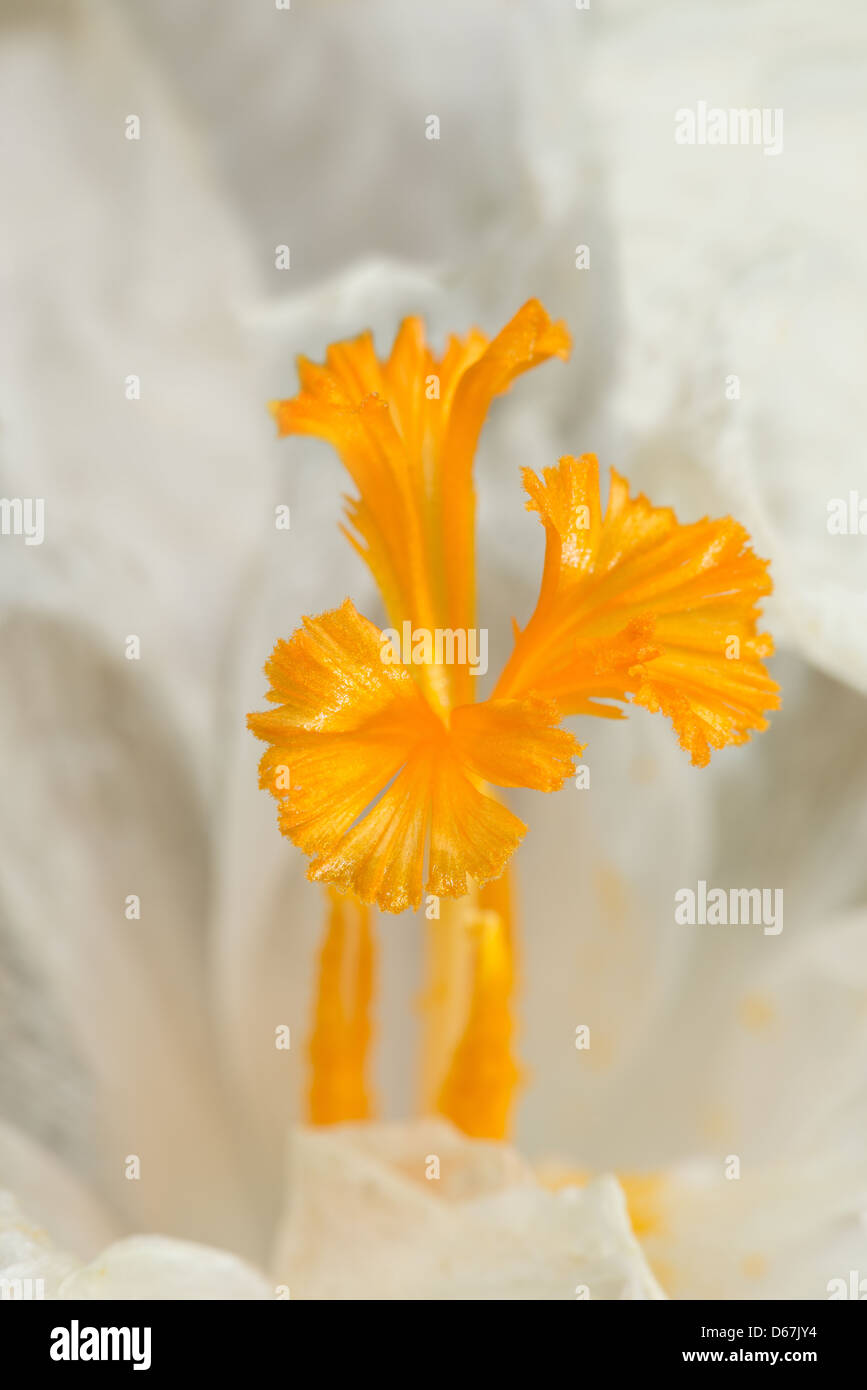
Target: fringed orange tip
[383, 793]
[383, 772]
[634, 606]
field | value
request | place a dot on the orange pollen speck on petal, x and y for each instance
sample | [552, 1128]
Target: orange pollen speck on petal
[755, 1266]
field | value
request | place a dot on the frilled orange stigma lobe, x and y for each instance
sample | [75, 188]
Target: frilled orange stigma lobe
[340, 1040]
[634, 606]
[380, 789]
[406, 429]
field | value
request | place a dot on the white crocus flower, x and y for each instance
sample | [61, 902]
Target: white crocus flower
[152, 1038]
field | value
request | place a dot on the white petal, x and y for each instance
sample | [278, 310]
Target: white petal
[779, 1231]
[52, 1195]
[600, 948]
[728, 270]
[28, 1253]
[791, 1079]
[671, 1066]
[467, 1168]
[112, 1057]
[154, 1267]
[125, 262]
[511, 153]
[140, 1267]
[359, 1227]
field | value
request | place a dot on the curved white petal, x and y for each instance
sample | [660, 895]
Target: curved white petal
[121, 261]
[154, 1267]
[728, 271]
[108, 1050]
[783, 1230]
[670, 1052]
[359, 1225]
[28, 1255]
[600, 949]
[792, 1076]
[504, 83]
[140, 1267]
[52, 1195]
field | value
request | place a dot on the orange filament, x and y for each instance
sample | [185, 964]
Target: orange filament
[340, 1040]
[479, 1088]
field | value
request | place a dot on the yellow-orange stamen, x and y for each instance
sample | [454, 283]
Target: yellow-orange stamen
[478, 1091]
[340, 1040]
